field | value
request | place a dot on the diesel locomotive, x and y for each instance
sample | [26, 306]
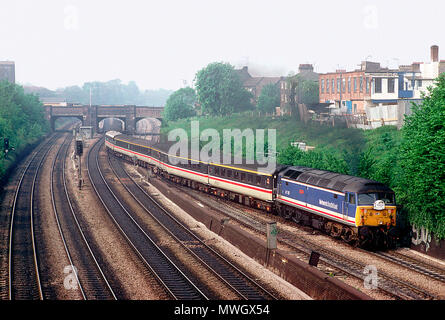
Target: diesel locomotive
[361, 212]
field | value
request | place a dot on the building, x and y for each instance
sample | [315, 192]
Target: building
[255, 84]
[306, 73]
[379, 95]
[350, 92]
[7, 71]
[413, 81]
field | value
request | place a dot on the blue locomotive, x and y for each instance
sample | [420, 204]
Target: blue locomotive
[354, 209]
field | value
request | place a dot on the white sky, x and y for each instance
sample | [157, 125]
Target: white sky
[158, 44]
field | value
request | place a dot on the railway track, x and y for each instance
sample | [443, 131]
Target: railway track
[23, 265]
[413, 264]
[237, 280]
[330, 260]
[89, 277]
[176, 283]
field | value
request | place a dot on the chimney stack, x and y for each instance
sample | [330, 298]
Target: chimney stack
[434, 53]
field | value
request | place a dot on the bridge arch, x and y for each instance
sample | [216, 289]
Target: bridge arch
[110, 124]
[92, 115]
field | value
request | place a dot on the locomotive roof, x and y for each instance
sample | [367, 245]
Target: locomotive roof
[164, 147]
[336, 181]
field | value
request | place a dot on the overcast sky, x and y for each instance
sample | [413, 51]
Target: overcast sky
[159, 44]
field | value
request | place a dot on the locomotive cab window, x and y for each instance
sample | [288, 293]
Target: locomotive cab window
[295, 175]
[288, 173]
[352, 198]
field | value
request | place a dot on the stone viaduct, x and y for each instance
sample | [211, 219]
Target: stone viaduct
[92, 115]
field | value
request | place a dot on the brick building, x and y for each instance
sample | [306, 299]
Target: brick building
[7, 71]
[352, 91]
[256, 84]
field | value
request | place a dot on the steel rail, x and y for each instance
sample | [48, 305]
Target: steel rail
[67, 200]
[394, 287]
[207, 257]
[182, 287]
[28, 291]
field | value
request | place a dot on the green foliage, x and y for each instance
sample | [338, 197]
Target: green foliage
[301, 91]
[313, 159]
[269, 98]
[180, 104]
[22, 120]
[220, 91]
[309, 92]
[422, 162]
[110, 92]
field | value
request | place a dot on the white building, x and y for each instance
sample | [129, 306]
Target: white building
[392, 96]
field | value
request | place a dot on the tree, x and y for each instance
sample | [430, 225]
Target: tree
[422, 162]
[22, 119]
[269, 98]
[180, 104]
[301, 91]
[309, 92]
[220, 91]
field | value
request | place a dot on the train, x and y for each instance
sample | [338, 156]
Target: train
[359, 211]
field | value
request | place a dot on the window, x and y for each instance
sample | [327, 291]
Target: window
[391, 85]
[370, 198]
[338, 85]
[322, 85]
[349, 85]
[289, 173]
[333, 86]
[229, 173]
[327, 85]
[295, 175]
[243, 176]
[223, 172]
[367, 85]
[378, 85]
[250, 178]
[419, 83]
[236, 175]
[361, 84]
[344, 85]
[355, 84]
[258, 180]
[355, 107]
[217, 171]
[351, 198]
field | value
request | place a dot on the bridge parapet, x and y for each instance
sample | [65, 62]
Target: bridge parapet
[64, 111]
[149, 112]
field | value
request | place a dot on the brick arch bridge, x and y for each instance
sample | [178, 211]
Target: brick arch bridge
[92, 115]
